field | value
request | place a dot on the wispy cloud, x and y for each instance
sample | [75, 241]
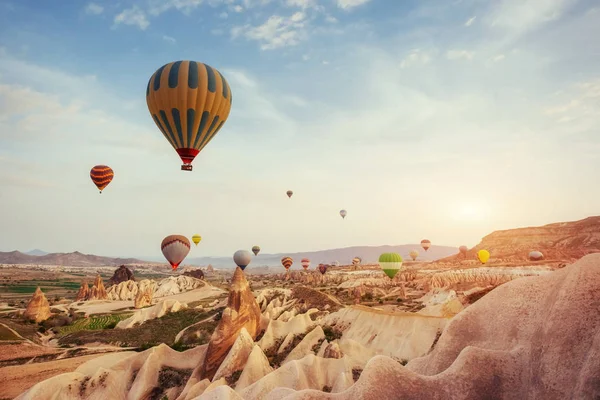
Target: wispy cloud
[134, 16]
[470, 21]
[169, 39]
[276, 32]
[460, 54]
[350, 4]
[93, 9]
[416, 57]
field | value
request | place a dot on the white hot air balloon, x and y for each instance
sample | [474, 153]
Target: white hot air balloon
[242, 258]
[175, 248]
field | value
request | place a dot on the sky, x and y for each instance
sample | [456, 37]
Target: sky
[438, 119]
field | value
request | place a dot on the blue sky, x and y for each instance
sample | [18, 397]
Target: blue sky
[437, 119]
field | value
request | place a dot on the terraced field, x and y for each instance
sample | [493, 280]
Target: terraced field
[94, 323]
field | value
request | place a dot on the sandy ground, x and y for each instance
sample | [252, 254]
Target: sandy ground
[17, 379]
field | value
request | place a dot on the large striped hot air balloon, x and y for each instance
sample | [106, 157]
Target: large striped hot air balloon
[196, 239]
[536, 256]
[323, 268]
[287, 262]
[390, 263]
[463, 250]
[175, 248]
[414, 254]
[189, 102]
[255, 250]
[483, 256]
[426, 244]
[305, 263]
[242, 258]
[101, 175]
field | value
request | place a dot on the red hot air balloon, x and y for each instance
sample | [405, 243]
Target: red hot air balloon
[323, 268]
[305, 263]
[426, 244]
[101, 175]
[463, 250]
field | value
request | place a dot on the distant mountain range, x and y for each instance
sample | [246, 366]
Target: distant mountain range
[369, 254]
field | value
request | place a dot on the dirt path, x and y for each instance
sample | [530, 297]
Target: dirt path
[18, 378]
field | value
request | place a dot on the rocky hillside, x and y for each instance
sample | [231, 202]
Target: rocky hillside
[562, 241]
[75, 259]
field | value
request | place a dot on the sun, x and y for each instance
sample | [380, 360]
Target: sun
[472, 211]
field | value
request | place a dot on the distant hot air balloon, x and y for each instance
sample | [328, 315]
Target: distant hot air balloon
[287, 262]
[483, 256]
[463, 250]
[414, 254]
[426, 244]
[189, 102]
[323, 268]
[175, 248]
[343, 213]
[305, 263]
[196, 239]
[101, 175]
[536, 256]
[242, 258]
[390, 263]
[356, 261]
[255, 250]
[289, 193]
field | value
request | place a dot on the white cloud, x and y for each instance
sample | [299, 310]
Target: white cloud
[349, 4]
[157, 7]
[276, 32]
[301, 3]
[223, 15]
[331, 19]
[238, 9]
[134, 16]
[470, 21]
[93, 9]
[305, 57]
[460, 54]
[416, 57]
[169, 39]
[499, 57]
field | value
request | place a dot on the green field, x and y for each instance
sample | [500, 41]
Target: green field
[28, 287]
[93, 323]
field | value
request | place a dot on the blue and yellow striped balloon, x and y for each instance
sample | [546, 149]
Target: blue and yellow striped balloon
[189, 102]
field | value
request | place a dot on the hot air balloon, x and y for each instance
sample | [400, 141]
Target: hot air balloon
[463, 250]
[305, 263]
[356, 261]
[287, 262]
[483, 256]
[101, 175]
[242, 258]
[196, 239]
[255, 250]
[414, 254]
[189, 102]
[390, 263]
[343, 213]
[175, 248]
[536, 256]
[323, 268]
[289, 193]
[426, 244]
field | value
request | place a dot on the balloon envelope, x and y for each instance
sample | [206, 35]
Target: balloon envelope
[483, 256]
[242, 258]
[426, 244]
[414, 254]
[343, 213]
[536, 256]
[175, 248]
[305, 263]
[189, 103]
[356, 261]
[255, 250]
[322, 268]
[463, 250]
[390, 263]
[101, 175]
[289, 193]
[196, 239]
[287, 262]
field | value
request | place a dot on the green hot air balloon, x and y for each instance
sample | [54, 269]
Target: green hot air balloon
[390, 263]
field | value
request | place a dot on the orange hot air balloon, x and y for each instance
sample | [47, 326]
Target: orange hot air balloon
[287, 262]
[175, 248]
[101, 175]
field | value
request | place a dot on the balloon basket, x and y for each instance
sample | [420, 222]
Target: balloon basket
[186, 167]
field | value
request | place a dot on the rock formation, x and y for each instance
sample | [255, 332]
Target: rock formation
[195, 273]
[83, 293]
[144, 297]
[98, 292]
[121, 274]
[128, 290]
[242, 311]
[482, 276]
[156, 311]
[38, 308]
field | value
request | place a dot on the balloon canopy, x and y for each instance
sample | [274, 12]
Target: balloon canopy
[343, 213]
[323, 268]
[536, 256]
[305, 263]
[196, 239]
[242, 258]
[289, 193]
[255, 250]
[463, 250]
[287, 262]
[390, 263]
[414, 254]
[101, 175]
[175, 248]
[426, 244]
[483, 256]
[189, 103]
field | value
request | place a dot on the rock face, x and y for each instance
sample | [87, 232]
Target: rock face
[144, 297]
[83, 293]
[128, 290]
[122, 274]
[98, 292]
[38, 308]
[563, 241]
[195, 273]
[242, 312]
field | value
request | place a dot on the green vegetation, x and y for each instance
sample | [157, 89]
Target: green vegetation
[28, 287]
[93, 323]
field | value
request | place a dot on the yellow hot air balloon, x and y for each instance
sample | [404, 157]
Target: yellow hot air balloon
[196, 239]
[483, 256]
[189, 102]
